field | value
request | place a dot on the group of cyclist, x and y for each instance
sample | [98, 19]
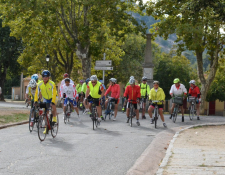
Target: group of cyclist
[93, 90]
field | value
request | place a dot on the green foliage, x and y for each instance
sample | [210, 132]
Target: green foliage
[217, 88]
[170, 67]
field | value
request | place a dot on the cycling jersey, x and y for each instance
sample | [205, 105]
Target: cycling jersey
[70, 91]
[145, 89]
[133, 93]
[62, 83]
[115, 91]
[84, 88]
[78, 88]
[30, 92]
[178, 91]
[194, 91]
[95, 90]
[157, 94]
[48, 91]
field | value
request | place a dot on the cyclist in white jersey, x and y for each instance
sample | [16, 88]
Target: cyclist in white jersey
[69, 90]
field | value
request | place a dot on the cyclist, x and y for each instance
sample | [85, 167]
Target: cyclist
[145, 89]
[133, 93]
[31, 92]
[178, 89]
[115, 93]
[35, 77]
[125, 101]
[70, 91]
[66, 75]
[78, 88]
[27, 94]
[94, 92]
[103, 98]
[156, 93]
[84, 89]
[48, 92]
[195, 92]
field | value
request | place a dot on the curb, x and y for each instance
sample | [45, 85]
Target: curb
[14, 124]
[169, 150]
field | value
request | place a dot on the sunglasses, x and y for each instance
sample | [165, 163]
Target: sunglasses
[94, 82]
[45, 76]
[155, 83]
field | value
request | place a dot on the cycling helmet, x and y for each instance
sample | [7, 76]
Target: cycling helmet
[46, 73]
[67, 79]
[155, 82]
[32, 83]
[144, 78]
[192, 82]
[87, 80]
[176, 80]
[66, 75]
[81, 81]
[93, 77]
[35, 77]
[113, 80]
[131, 77]
[101, 81]
[132, 81]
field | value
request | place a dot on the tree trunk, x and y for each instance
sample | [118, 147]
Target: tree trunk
[206, 82]
[2, 83]
[83, 54]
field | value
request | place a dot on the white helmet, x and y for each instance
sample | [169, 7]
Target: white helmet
[131, 77]
[32, 83]
[192, 82]
[132, 81]
[93, 77]
[113, 80]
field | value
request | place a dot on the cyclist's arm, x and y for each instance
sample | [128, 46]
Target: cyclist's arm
[102, 90]
[108, 90]
[87, 93]
[118, 92]
[171, 90]
[148, 90]
[36, 94]
[54, 94]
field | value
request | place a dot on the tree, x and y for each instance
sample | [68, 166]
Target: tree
[197, 28]
[217, 88]
[8, 56]
[170, 67]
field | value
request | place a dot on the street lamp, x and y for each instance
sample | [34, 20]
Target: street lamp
[47, 59]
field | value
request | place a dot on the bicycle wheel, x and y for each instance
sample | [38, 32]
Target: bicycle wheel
[42, 123]
[175, 114]
[191, 111]
[156, 117]
[54, 126]
[31, 115]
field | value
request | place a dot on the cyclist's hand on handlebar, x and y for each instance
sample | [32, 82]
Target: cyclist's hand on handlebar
[52, 103]
[138, 100]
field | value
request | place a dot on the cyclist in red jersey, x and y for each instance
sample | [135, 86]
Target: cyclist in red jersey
[195, 92]
[115, 93]
[133, 92]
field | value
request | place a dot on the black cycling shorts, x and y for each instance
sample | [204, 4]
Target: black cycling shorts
[128, 105]
[94, 100]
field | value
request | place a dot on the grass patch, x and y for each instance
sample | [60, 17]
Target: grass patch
[203, 165]
[196, 127]
[4, 119]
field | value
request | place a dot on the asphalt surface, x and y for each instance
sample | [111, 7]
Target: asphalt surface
[113, 148]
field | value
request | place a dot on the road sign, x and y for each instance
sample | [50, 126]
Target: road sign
[103, 63]
[103, 68]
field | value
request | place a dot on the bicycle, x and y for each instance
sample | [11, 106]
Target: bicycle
[80, 104]
[94, 114]
[178, 101]
[156, 111]
[132, 113]
[192, 110]
[34, 115]
[68, 110]
[45, 122]
[109, 110]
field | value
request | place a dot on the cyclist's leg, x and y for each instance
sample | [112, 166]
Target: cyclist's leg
[143, 109]
[172, 108]
[136, 111]
[161, 112]
[74, 106]
[197, 110]
[150, 109]
[64, 106]
[106, 104]
[128, 109]
[116, 107]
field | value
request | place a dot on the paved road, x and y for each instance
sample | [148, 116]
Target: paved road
[111, 149]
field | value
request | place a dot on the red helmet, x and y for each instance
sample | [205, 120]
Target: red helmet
[66, 75]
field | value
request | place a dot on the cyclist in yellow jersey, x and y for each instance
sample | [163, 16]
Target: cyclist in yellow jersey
[48, 92]
[145, 90]
[94, 92]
